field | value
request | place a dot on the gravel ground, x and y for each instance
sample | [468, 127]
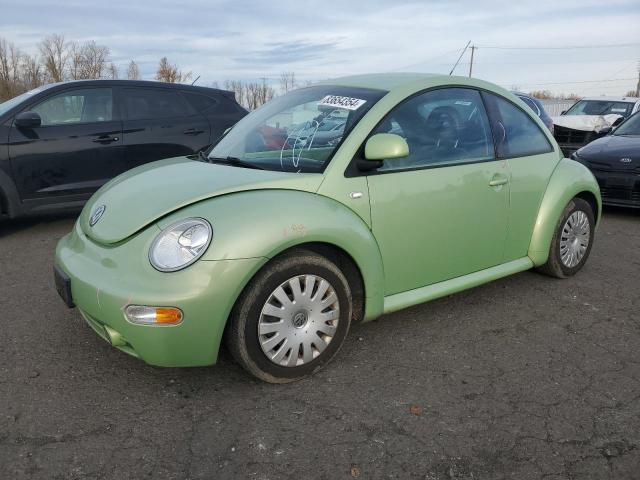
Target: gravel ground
[525, 378]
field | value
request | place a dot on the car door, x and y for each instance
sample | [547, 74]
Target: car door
[75, 150]
[526, 147]
[159, 123]
[441, 212]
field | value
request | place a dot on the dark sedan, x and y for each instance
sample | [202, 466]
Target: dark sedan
[615, 162]
[61, 142]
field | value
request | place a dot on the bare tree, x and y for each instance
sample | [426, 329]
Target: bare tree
[10, 57]
[32, 72]
[133, 72]
[112, 71]
[88, 61]
[94, 60]
[237, 87]
[75, 61]
[170, 73]
[55, 53]
[287, 81]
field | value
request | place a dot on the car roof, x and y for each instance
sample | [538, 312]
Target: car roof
[141, 83]
[411, 82]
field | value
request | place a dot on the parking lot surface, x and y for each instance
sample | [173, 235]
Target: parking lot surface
[524, 378]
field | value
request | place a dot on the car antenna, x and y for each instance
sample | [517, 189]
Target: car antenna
[195, 80]
[458, 61]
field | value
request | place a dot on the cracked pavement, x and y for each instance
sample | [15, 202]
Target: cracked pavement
[524, 378]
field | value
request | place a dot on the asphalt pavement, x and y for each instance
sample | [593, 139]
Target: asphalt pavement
[524, 378]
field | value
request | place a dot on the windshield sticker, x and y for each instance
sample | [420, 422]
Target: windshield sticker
[461, 102]
[347, 103]
[619, 110]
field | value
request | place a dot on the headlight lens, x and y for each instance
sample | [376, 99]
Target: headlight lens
[180, 244]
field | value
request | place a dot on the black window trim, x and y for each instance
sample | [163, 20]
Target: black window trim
[352, 169]
[115, 110]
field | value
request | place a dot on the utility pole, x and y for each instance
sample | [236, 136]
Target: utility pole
[461, 54]
[473, 48]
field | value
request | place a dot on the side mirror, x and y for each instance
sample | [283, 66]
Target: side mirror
[385, 146]
[28, 120]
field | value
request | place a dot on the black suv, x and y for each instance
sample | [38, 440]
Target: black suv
[59, 143]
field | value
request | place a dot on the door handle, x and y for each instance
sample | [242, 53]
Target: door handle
[192, 131]
[105, 139]
[498, 179]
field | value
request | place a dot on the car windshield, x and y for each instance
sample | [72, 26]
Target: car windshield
[601, 107]
[297, 132]
[9, 104]
[631, 127]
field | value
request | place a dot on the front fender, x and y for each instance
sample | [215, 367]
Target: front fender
[569, 179]
[264, 223]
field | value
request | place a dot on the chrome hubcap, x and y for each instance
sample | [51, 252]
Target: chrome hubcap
[298, 320]
[574, 239]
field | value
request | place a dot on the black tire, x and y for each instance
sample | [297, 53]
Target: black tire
[554, 266]
[241, 334]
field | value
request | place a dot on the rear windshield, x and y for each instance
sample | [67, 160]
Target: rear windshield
[601, 107]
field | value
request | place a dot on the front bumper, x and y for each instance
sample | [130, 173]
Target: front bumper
[104, 280]
[619, 188]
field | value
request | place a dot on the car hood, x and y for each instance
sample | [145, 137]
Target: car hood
[587, 123]
[617, 152]
[141, 196]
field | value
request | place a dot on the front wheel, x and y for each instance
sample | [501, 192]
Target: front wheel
[572, 240]
[291, 319]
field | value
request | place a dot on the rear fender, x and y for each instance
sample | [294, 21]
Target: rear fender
[568, 180]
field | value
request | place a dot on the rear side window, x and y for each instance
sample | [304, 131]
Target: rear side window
[516, 133]
[88, 105]
[199, 102]
[143, 104]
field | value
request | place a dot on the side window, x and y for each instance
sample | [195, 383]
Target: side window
[516, 133]
[441, 127]
[199, 102]
[144, 104]
[77, 106]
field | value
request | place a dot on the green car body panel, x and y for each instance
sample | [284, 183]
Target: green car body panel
[404, 253]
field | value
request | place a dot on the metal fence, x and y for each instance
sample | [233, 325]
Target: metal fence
[554, 107]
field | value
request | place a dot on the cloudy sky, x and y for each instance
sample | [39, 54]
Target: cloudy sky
[242, 39]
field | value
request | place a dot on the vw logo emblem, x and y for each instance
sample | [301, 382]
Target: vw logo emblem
[625, 160]
[97, 215]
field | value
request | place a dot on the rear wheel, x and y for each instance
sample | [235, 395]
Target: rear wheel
[572, 240]
[291, 319]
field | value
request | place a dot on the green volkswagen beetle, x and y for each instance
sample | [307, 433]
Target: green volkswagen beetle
[333, 204]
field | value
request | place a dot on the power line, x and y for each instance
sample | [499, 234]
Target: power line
[567, 47]
[572, 83]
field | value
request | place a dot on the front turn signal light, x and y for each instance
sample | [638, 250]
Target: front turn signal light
[142, 315]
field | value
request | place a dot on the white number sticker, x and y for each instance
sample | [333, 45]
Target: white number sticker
[347, 103]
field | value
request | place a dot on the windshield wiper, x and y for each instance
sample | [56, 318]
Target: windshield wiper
[236, 162]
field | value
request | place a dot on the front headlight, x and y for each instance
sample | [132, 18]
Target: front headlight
[180, 244]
